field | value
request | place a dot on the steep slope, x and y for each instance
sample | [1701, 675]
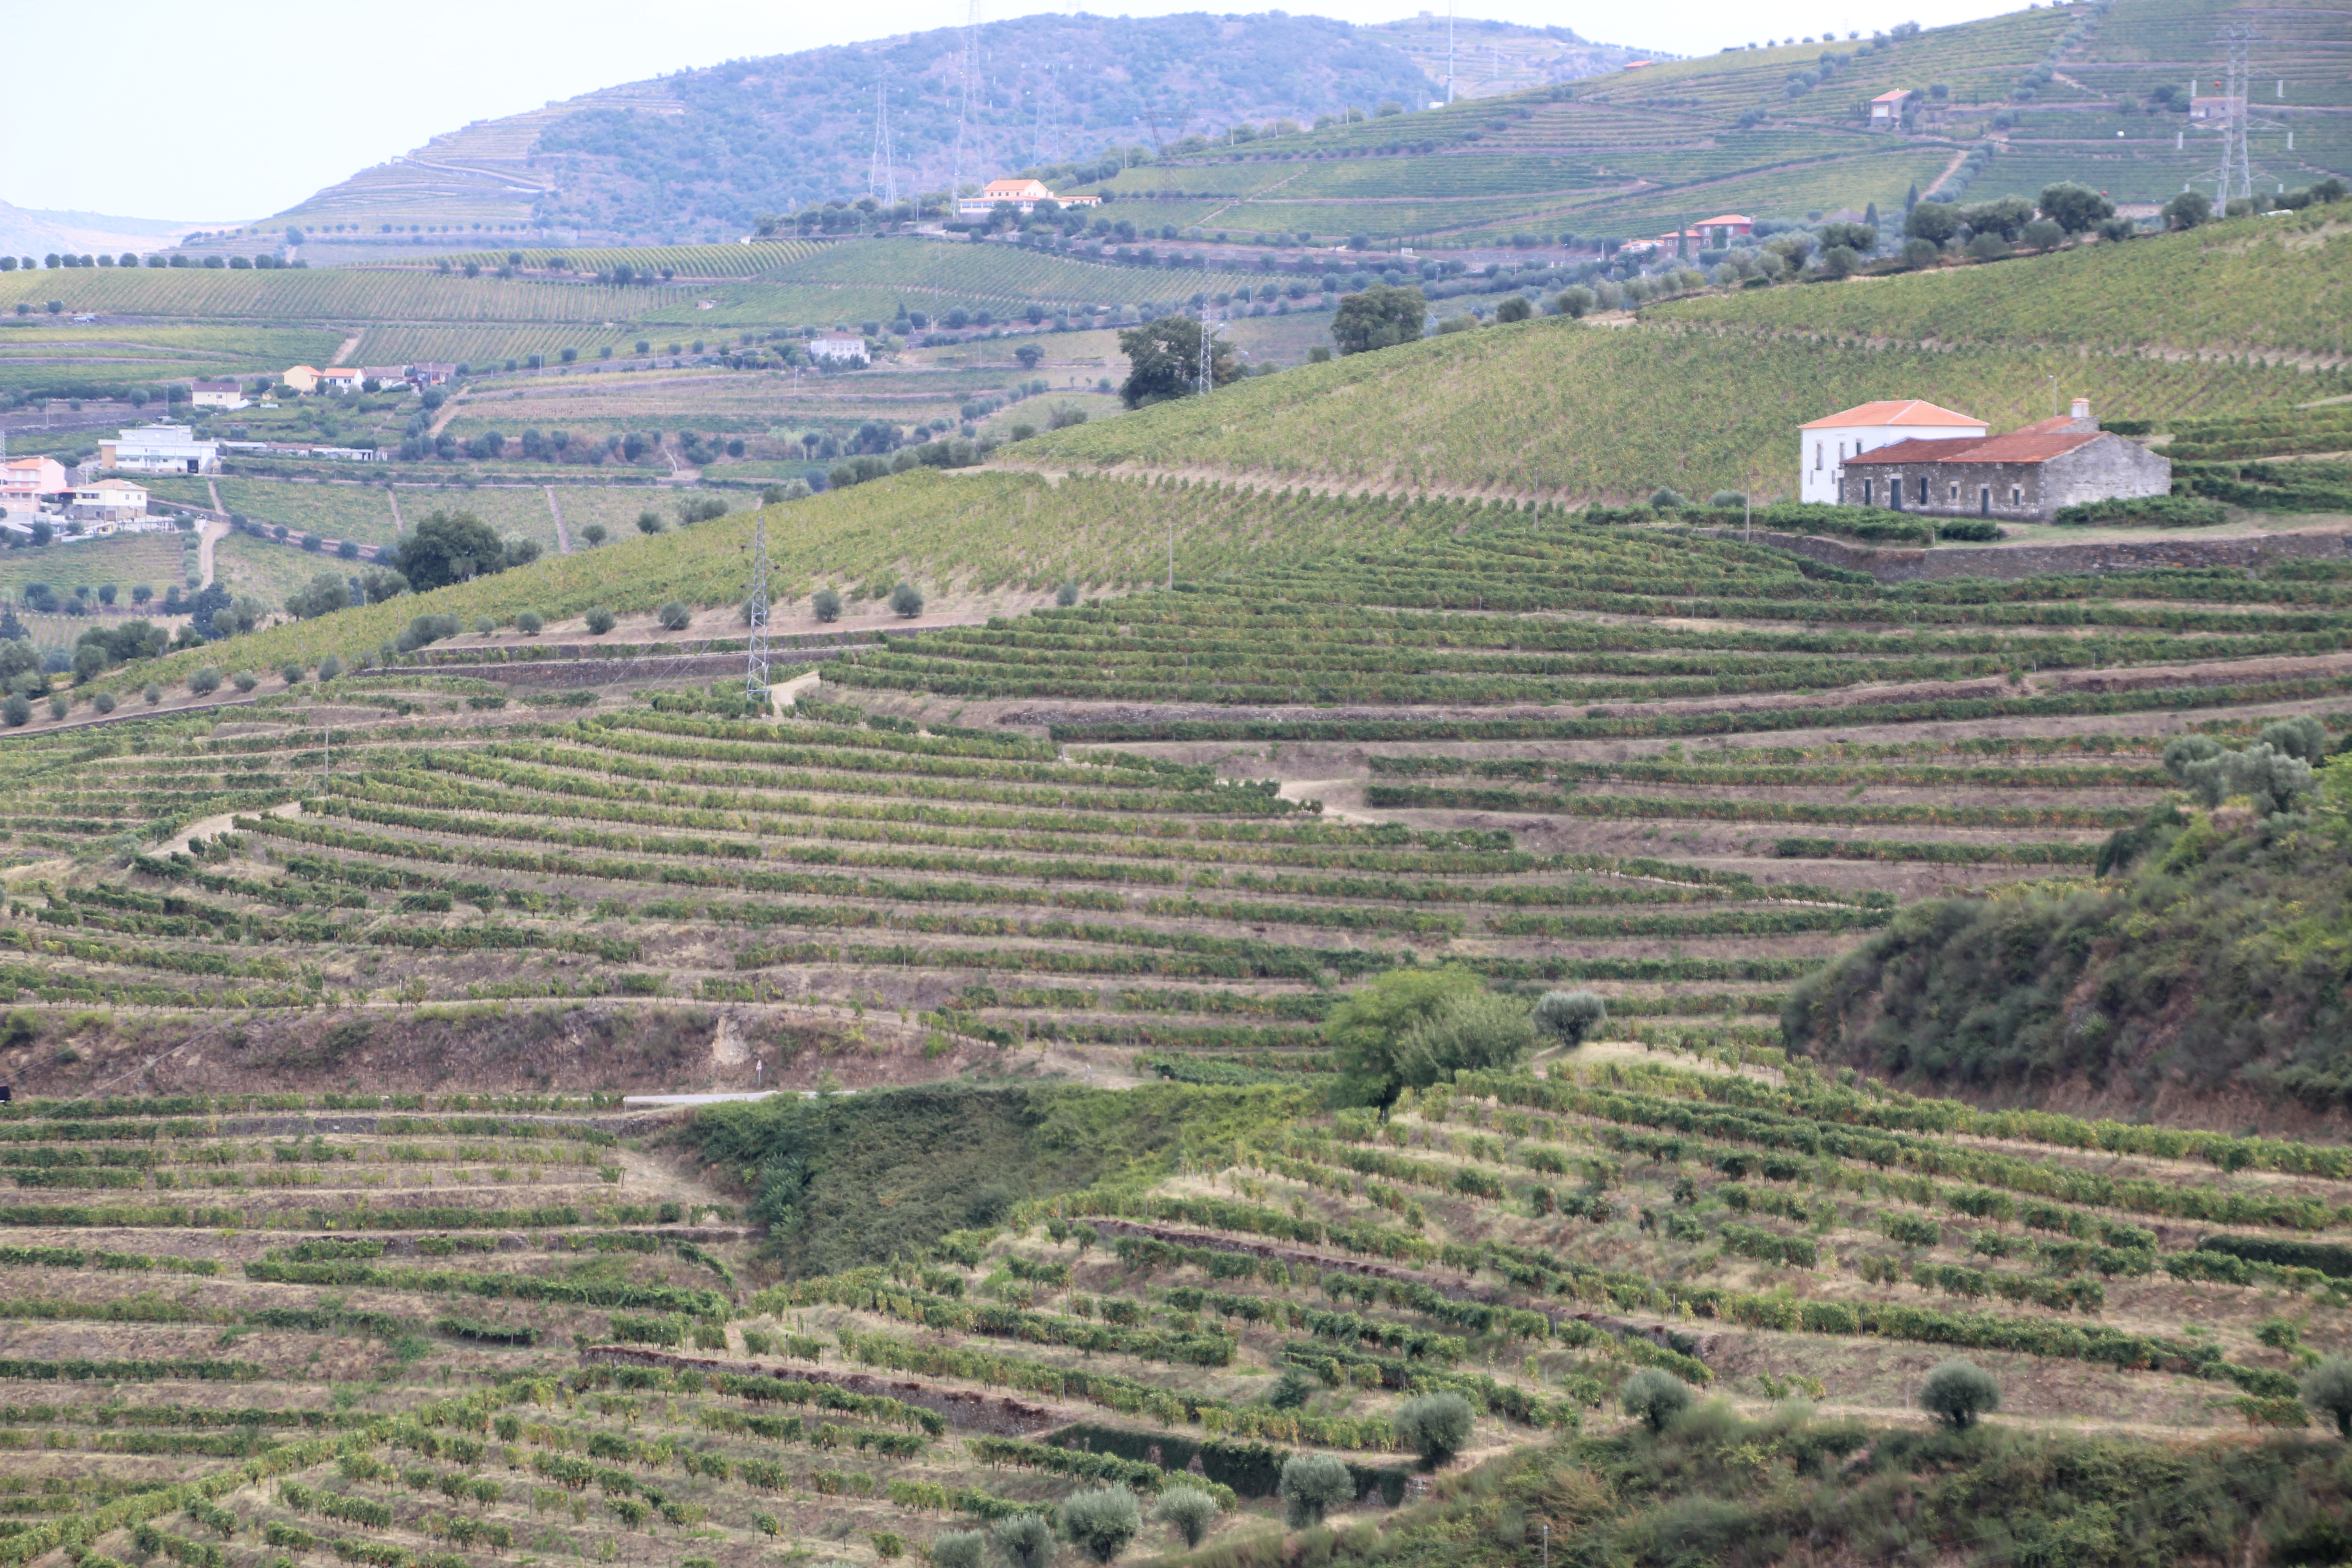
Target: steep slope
[699, 154]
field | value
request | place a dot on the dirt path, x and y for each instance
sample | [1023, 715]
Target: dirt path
[1949, 170]
[212, 531]
[212, 485]
[562, 536]
[213, 826]
[350, 346]
[391, 495]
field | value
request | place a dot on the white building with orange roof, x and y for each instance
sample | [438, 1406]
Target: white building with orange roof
[1022, 194]
[1824, 444]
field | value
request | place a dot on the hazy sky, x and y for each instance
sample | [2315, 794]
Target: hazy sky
[218, 113]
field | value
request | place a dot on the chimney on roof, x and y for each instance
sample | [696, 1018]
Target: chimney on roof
[2082, 409]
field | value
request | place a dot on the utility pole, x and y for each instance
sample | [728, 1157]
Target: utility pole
[882, 173]
[970, 68]
[755, 674]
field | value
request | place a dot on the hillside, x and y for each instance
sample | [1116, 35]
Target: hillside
[700, 154]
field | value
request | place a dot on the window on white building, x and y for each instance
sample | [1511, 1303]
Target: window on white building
[1817, 457]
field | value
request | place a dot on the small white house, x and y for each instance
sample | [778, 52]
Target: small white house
[108, 501]
[160, 449]
[841, 348]
[1825, 443]
[220, 395]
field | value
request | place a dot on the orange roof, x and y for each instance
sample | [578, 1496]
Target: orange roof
[1910, 411]
[1724, 218]
[1016, 188]
[2017, 446]
[1897, 96]
[1922, 449]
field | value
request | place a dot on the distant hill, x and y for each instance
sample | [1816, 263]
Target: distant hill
[32, 231]
[699, 154]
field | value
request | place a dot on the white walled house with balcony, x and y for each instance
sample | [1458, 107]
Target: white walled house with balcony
[1824, 444]
[160, 449]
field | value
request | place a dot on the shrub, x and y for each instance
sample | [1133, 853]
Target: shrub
[1312, 1485]
[596, 535]
[600, 621]
[826, 603]
[151, 693]
[1726, 500]
[959, 1549]
[906, 600]
[245, 680]
[1570, 1016]
[2328, 1390]
[16, 710]
[292, 672]
[1958, 1392]
[330, 667]
[1066, 595]
[2161, 511]
[1187, 1510]
[1654, 1396]
[1514, 307]
[529, 623]
[483, 625]
[675, 617]
[1667, 500]
[1100, 1523]
[59, 703]
[1026, 1541]
[650, 522]
[204, 681]
[1975, 530]
[103, 701]
[1436, 1426]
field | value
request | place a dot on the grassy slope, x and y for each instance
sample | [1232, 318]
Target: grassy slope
[1558, 408]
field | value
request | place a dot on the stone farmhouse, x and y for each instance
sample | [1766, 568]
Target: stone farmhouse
[1825, 443]
[2025, 476]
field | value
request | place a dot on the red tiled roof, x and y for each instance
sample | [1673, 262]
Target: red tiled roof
[2027, 446]
[1906, 411]
[1921, 449]
[2031, 446]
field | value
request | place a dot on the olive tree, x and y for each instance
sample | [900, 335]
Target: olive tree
[1100, 1523]
[1436, 1426]
[2327, 1389]
[1572, 1017]
[959, 1549]
[1026, 1541]
[1312, 1485]
[1655, 1397]
[1187, 1510]
[1958, 1392]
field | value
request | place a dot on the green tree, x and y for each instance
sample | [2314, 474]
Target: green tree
[2188, 210]
[1100, 1523]
[448, 547]
[2006, 216]
[1379, 318]
[906, 601]
[1026, 1541]
[2327, 1389]
[1514, 307]
[1655, 1397]
[1164, 360]
[1187, 1510]
[1572, 1017]
[1958, 1392]
[2075, 208]
[322, 596]
[1935, 222]
[1370, 1025]
[1436, 1426]
[959, 1549]
[1312, 1485]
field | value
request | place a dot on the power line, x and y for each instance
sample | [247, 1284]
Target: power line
[968, 69]
[882, 174]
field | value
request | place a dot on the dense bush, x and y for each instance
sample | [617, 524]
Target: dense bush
[1436, 1426]
[1655, 1397]
[1187, 1510]
[1101, 1522]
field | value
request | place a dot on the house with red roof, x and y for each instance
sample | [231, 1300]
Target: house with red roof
[2022, 476]
[1825, 443]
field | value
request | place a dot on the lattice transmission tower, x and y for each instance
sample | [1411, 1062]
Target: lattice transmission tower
[969, 70]
[882, 174]
[2234, 179]
[755, 610]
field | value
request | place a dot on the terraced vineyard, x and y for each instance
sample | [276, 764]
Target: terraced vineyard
[428, 1331]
